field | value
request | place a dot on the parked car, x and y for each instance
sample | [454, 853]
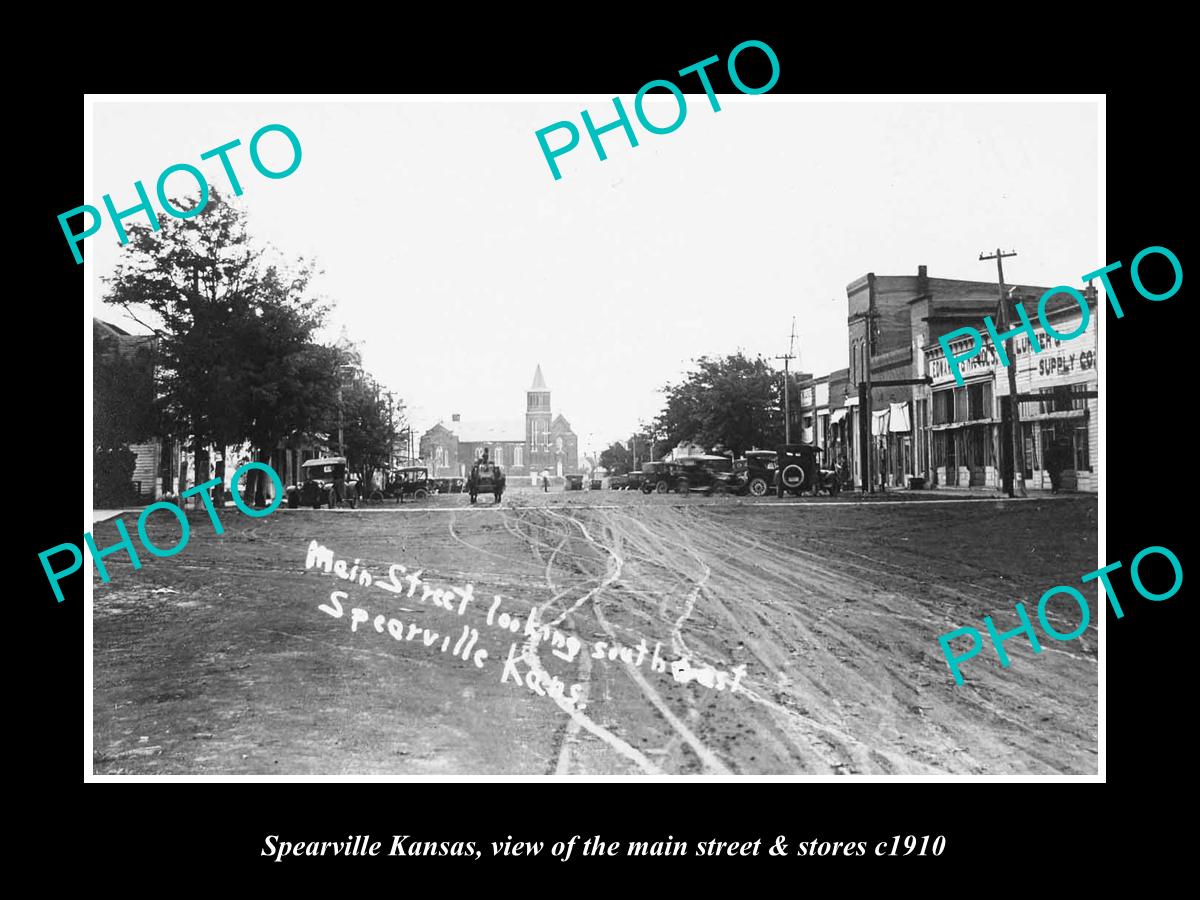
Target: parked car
[634, 481]
[324, 483]
[658, 477]
[713, 474]
[830, 480]
[618, 482]
[796, 469]
[412, 482]
[447, 485]
[573, 483]
[486, 478]
[760, 471]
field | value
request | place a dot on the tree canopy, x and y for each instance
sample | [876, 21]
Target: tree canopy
[731, 402]
[236, 353]
[616, 459]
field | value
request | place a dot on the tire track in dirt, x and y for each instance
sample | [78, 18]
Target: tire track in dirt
[888, 671]
[607, 545]
[530, 656]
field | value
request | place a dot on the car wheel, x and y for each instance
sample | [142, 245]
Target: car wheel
[682, 486]
[661, 488]
[376, 495]
[835, 488]
[420, 494]
[758, 487]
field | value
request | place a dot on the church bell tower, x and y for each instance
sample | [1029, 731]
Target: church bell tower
[537, 424]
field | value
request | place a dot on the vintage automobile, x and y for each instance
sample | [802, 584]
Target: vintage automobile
[325, 483]
[411, 482]
[712, 474]
[796, 469]
[486, 478]
[448, 485]
[658, 477]
[573, 483]
[760, 471]
[618, 482]
[635, 481]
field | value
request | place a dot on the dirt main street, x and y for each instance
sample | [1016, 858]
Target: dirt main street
[809, 632]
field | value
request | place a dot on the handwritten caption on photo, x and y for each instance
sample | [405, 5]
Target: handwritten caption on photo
[455, 600]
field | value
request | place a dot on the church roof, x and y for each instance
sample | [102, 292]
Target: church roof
[539, 383]
[472, 431]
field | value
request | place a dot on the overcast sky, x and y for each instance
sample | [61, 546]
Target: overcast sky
[459, 263]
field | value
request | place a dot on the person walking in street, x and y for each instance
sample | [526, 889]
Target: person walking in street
[545, 484]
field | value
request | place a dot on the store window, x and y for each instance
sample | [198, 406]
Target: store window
[943, 407]
[1083, 460]
[979, 400]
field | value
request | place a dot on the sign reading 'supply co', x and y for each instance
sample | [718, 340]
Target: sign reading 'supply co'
[958, 352]
[622, 120]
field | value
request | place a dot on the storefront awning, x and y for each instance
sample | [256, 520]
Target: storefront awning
[900, 419]
[838, 415]
[879, 421]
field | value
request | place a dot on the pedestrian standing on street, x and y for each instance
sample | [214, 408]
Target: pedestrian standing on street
[1054, 464]
[545, 484]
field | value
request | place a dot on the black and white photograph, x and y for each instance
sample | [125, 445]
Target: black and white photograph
[530, 436]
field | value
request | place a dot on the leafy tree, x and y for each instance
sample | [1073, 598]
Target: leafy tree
[732, 402]
[235, 344]
[367, 425]
[616, 459]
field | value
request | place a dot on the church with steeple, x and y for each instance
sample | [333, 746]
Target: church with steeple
[549, 445]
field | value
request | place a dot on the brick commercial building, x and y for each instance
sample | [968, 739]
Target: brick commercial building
[548, 443]
[934, 435]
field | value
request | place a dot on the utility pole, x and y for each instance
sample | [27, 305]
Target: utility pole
[865, 431]
[1017, 483]
[787, 411]
[341, 437]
